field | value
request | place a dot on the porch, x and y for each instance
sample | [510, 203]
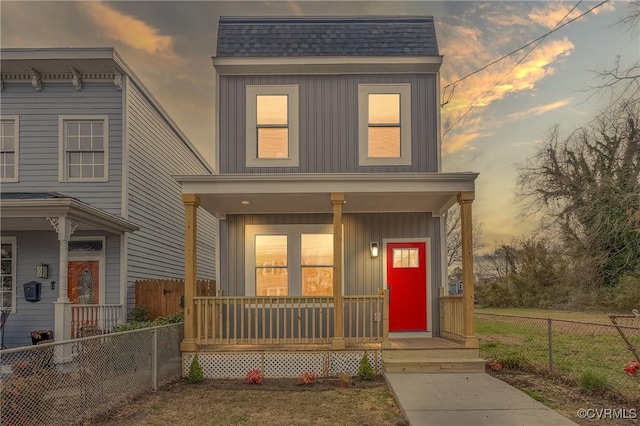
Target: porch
[345, 319]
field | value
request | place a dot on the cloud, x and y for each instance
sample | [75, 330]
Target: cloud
[128, 30]
[538, 110]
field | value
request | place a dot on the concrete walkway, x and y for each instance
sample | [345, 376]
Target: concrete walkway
[473, 399]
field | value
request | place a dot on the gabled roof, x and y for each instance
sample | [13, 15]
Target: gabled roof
[394, 36]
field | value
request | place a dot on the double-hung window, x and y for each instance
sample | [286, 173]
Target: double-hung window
[84, 148]
[384, 113]
[9, 136]
[8, 274]
[272, 126]
[289, 260]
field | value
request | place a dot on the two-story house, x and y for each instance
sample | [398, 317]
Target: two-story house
[331, 202]
[89, 203]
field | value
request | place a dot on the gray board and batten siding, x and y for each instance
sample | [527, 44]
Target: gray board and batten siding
[329, 122]
[156, 154]
[362, 274]
[39, 114]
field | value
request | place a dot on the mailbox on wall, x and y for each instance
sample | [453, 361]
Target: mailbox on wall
[32, 291]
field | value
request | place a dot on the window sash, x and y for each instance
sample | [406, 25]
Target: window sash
[84, 142]
[9, 140]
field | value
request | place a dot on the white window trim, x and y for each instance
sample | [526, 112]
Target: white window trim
[16, 123]
[364, 90]
[251, 145]
[62, 158]
[14, 256]
[294, 261]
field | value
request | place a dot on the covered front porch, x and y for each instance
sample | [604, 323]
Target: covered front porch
[72, 251]
[346, 319]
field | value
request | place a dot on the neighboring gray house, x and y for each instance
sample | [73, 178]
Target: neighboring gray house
[329, 191]
[87, 160]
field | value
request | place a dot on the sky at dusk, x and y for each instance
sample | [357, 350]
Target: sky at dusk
[494, 120]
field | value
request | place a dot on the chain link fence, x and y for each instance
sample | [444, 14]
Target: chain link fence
[80, 380]
[563, 348]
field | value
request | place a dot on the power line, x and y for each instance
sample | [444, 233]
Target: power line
[539, 41]
[455, 83]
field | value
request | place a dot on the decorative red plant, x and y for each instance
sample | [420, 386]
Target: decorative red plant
[632, 368]
[307, 378]
[494, 366]
[254, 377]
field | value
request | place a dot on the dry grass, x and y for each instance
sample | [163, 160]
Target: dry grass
[596, 317]
[277, 401]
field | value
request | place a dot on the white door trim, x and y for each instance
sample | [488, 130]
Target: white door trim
[427, 254]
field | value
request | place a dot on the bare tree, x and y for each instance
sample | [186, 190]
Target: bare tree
[454, 237]
[589, 186]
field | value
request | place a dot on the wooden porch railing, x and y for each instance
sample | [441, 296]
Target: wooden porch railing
[452, 317]
[286, 320]
[100, 318]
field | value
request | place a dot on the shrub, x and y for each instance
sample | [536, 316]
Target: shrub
[307, 378]
[512, 362]
[135, 325]
[365, 370]
[254, 377]
[195, 371]
[593, 383]
[140, 313]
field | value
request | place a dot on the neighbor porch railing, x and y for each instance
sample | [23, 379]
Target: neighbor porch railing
[100, 318]
[452, 317]
[286, 320]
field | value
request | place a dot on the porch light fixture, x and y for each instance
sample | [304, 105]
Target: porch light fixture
[373, 246]
[42, 270]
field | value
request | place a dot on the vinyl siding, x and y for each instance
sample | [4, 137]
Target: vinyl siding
[156, 153]
[362, 275]
[39, 114]
[329, 122]
[33, 248]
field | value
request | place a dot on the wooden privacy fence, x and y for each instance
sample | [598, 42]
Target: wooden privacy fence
[163, 297]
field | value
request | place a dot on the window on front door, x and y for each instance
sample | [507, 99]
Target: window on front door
[8, 274]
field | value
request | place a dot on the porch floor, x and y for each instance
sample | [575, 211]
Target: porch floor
[396, 344]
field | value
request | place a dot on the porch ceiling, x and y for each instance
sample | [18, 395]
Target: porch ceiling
[31, 215]
[311, 193]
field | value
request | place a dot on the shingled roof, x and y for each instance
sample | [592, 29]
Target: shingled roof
[327, 36]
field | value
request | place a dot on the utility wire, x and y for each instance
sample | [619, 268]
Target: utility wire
[455, 83]
[537, 43]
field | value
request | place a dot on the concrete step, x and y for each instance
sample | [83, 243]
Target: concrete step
[434, 365]
[422, 354]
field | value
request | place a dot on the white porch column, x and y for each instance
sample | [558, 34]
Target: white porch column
[65, 227]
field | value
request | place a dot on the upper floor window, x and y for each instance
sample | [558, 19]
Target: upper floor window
[8, 274]
[9, 135]
[384, 113]
[84, 148]
[272, 126]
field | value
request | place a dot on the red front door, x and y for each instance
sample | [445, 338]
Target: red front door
[407, 284]
[82, 282]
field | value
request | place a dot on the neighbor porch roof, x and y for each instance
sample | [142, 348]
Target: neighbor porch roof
[29, 212]
[311, 193]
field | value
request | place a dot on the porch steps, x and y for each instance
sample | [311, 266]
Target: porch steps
[433, 360]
